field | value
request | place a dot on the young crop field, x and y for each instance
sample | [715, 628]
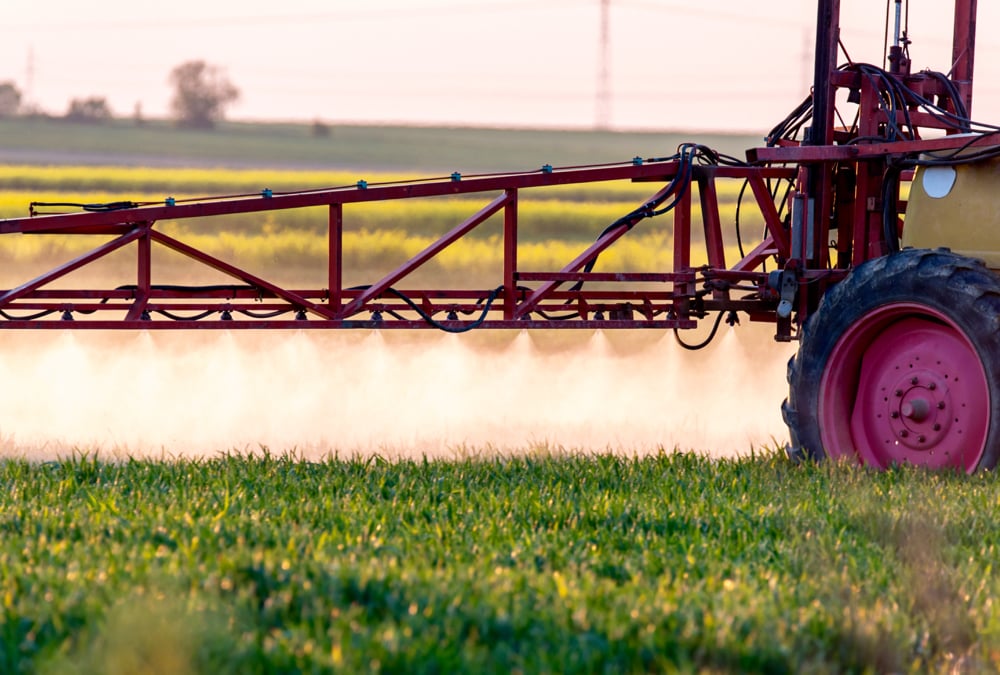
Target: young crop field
[495, 563]
[377, 148]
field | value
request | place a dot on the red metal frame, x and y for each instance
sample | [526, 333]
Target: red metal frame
[838, 177]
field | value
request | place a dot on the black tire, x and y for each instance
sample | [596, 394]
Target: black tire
[861, 351]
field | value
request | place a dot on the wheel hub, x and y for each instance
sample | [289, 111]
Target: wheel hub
[918, 408]
[911, 389]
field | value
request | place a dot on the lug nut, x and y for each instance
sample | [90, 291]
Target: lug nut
[921, 438]
[894, 415]
[940, 405]
[932, 386]
[936, 427]
[914, 381]
[904, 433]
[899, 392]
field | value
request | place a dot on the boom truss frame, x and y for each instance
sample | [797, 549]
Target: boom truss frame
[569, 297]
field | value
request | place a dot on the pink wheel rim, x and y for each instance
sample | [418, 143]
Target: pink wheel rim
[904, 385]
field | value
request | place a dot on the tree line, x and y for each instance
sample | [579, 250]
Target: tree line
[201, 94]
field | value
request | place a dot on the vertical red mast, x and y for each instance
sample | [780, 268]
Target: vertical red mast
[812, 207]
[963, 49]
[827, 39]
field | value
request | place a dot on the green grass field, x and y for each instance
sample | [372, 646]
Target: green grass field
[537, 563]
[363, 148]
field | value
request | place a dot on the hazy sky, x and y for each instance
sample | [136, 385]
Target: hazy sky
[715, 64]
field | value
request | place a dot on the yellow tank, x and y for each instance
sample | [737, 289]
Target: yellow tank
[957, 207]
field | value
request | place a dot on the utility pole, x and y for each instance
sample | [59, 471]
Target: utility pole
[805, 58]
[29, 77]
[603, 120]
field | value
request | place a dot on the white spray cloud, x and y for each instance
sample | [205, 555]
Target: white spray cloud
[396, 394]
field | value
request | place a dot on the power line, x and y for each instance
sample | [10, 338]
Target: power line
[604, 69]
[348, 15]
[728, 16]
[29, 75]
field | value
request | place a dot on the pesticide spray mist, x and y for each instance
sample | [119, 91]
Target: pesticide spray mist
[184, 394]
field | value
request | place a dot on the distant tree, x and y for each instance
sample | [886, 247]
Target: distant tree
[201, 94]
[320, 129]
[93, 110]
[10, 99]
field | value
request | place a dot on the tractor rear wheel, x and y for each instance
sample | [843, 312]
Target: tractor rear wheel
[901, 365]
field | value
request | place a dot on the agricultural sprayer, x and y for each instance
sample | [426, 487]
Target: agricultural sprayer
[877, 240]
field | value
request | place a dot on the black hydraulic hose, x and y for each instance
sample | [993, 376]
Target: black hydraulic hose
[263, 315]
[494, 294]
[676, 188]
[107, 206]
[178, 317]
[29, 317]
[233, 288]
[704, 343]
[959, 155]
[490, 299]
[890, 212]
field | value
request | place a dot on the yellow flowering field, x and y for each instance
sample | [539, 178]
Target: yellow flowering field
[554, 224]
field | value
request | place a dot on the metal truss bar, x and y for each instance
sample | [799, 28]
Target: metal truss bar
[407, 268]
[98, 222]
[335, 259]
[237, 273]
[74, 264]
[709, 200]
[652, 170]
[759, 254]
[144, 271]
[510, 275]
[666, 277]
[770, 212]
[367, 324]
[246, 293]
[591, 253]
[840, 153]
